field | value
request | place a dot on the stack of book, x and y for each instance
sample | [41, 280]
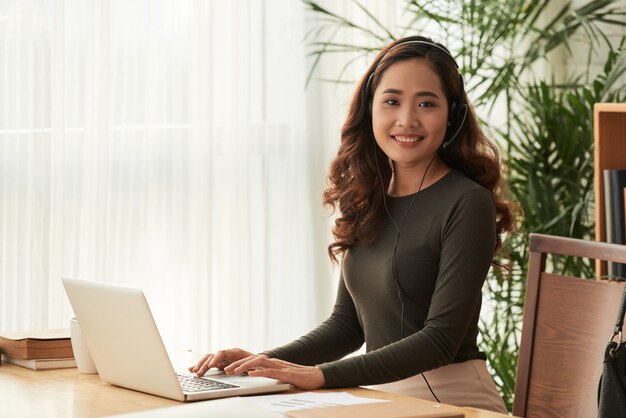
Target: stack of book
[614, 192]
[38, 350]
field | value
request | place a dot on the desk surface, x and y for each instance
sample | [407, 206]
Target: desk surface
[67, 393]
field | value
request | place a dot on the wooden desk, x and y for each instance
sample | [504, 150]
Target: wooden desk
[67, 393]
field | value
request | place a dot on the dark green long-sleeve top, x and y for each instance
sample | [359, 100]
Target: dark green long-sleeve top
[444, 252]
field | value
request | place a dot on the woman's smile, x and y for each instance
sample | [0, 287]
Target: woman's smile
[405, 138]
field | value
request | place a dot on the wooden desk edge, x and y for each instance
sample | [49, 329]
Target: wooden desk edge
[94, 397]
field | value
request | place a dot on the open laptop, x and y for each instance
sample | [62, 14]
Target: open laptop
[128, 350]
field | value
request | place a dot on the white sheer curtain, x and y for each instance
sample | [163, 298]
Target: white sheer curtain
[165, 145]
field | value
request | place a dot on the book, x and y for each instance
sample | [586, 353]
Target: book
[401, 408]
[41, 364]
[44, 344]
[615, 182]
[608, 217]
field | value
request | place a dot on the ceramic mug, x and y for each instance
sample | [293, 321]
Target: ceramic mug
[84, 362]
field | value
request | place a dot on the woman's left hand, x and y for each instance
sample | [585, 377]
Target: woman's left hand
[303, 377]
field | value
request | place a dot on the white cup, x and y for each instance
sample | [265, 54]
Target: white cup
[84, 362]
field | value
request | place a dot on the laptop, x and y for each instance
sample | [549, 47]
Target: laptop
[128, 351]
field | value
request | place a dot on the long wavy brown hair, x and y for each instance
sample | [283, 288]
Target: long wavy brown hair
[354, 182]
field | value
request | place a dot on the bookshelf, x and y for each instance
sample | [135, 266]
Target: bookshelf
[609, 137]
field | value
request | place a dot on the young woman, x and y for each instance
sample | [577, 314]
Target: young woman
[418, 187]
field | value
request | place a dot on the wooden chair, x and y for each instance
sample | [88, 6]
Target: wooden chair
[568, 322]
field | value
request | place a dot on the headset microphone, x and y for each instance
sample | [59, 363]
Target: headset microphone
[457, 116]
[462, 116]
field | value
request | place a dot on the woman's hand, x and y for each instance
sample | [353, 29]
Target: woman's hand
[221, 359]
[304, 377]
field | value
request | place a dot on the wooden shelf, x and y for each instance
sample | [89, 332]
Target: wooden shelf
[609, 121]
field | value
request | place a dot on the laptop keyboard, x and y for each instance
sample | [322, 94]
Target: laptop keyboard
[191, 383]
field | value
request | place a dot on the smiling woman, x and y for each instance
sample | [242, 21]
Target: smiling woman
[417, 185]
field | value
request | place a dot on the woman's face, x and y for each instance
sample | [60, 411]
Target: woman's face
[409, 112]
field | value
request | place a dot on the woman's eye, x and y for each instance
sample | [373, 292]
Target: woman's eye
[426, 104]
[391, 102]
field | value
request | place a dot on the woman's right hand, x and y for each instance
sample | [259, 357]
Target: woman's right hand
[220, 360]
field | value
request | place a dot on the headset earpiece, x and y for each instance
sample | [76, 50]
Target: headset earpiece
[456, 117]
[455, 125]
[453, 113]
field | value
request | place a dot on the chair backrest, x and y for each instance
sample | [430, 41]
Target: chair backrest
[567, 324]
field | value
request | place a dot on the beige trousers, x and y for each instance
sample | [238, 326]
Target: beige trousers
[461, 384]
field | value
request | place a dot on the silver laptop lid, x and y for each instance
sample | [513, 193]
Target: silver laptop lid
[122, 337]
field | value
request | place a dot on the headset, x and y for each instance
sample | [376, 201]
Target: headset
[457, 114]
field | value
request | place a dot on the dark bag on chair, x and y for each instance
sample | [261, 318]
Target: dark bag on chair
[612, 389]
